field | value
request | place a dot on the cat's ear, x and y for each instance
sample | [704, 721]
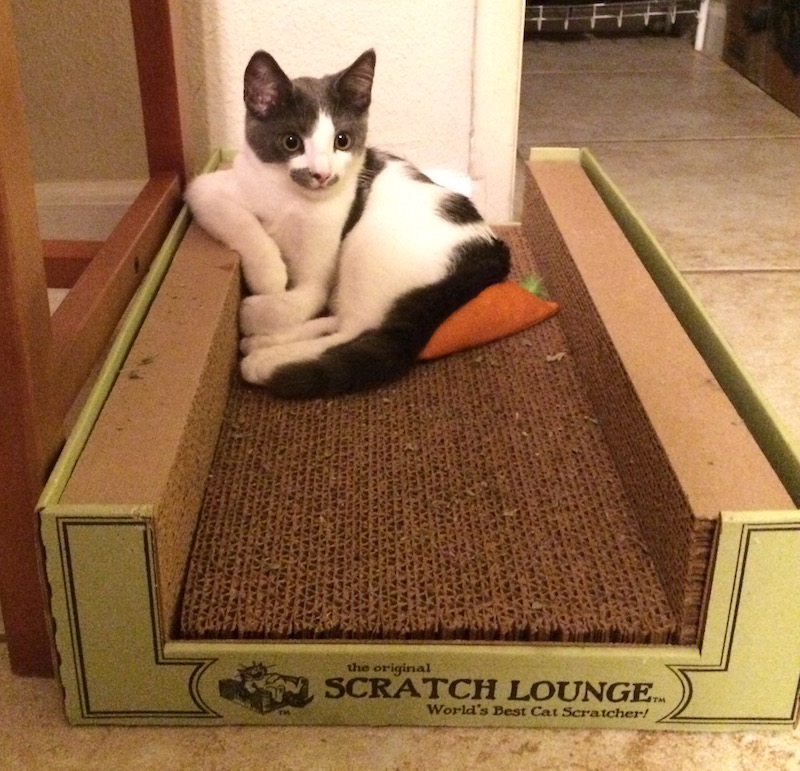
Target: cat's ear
[355, 83]
[266, 85]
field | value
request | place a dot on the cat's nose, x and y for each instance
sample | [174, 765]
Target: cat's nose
[321, 177]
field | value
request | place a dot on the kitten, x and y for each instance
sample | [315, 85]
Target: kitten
[353, 256]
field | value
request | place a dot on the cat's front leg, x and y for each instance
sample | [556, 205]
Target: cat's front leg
[263, 268]
[216, 207]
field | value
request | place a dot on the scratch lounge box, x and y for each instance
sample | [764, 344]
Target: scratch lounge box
[589, 524]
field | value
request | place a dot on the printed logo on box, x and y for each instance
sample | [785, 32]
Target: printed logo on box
[258, 688]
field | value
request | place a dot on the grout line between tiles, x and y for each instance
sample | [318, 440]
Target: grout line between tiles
[729, 138]
[635, 140]
[623, 73]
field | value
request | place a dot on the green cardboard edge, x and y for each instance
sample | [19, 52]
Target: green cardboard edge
[129, 326]
[764, 424]
[119, 669]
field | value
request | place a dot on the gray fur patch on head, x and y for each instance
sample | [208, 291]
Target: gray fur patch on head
[277, 106]
[298, 114]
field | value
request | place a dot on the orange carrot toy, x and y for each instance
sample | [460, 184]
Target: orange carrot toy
[498, 311]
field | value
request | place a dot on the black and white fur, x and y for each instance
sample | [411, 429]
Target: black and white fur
[353, 256]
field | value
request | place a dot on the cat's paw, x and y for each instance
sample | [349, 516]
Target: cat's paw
[264, 314]
[310, 330]
[268, 314]
[258, 366]
[255, 342]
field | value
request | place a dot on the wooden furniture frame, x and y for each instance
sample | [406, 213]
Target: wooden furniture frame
[46, 362]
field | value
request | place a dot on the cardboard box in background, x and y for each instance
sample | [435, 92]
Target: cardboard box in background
[762, 42]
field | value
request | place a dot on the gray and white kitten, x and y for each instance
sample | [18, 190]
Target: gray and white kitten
[353, 256]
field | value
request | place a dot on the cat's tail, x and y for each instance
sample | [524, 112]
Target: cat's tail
[371, 359]
[378, 356]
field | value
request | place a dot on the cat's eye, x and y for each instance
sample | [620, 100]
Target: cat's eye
[342, 141]
[291, 143]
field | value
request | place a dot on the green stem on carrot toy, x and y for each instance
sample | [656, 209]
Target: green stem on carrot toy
[535, 285]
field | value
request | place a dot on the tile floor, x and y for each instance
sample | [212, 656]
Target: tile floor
[713, 166]
[710, 162]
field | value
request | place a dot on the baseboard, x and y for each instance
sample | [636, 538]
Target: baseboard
[83, 209]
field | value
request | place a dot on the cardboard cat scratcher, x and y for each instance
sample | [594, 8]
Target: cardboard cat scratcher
[589, 523]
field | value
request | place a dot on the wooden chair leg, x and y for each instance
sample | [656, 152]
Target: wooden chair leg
[41, 364]
[30, 433]
[156, 31]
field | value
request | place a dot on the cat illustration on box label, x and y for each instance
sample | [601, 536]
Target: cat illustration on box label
[262, 690]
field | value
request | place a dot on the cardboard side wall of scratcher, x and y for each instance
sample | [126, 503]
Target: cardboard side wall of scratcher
[682, 451]
[155, 437]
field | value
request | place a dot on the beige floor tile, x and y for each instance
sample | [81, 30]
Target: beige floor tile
[581, 108]
[759, 315]
[723, 204]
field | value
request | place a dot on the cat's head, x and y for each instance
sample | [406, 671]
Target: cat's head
[316, 127]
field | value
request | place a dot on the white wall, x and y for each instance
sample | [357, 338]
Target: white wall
[445, 93]
[422, 92]
[78, 71]
[497, 64]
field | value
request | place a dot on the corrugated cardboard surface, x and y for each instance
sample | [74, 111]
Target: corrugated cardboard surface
[474, 499]
[484, 497]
